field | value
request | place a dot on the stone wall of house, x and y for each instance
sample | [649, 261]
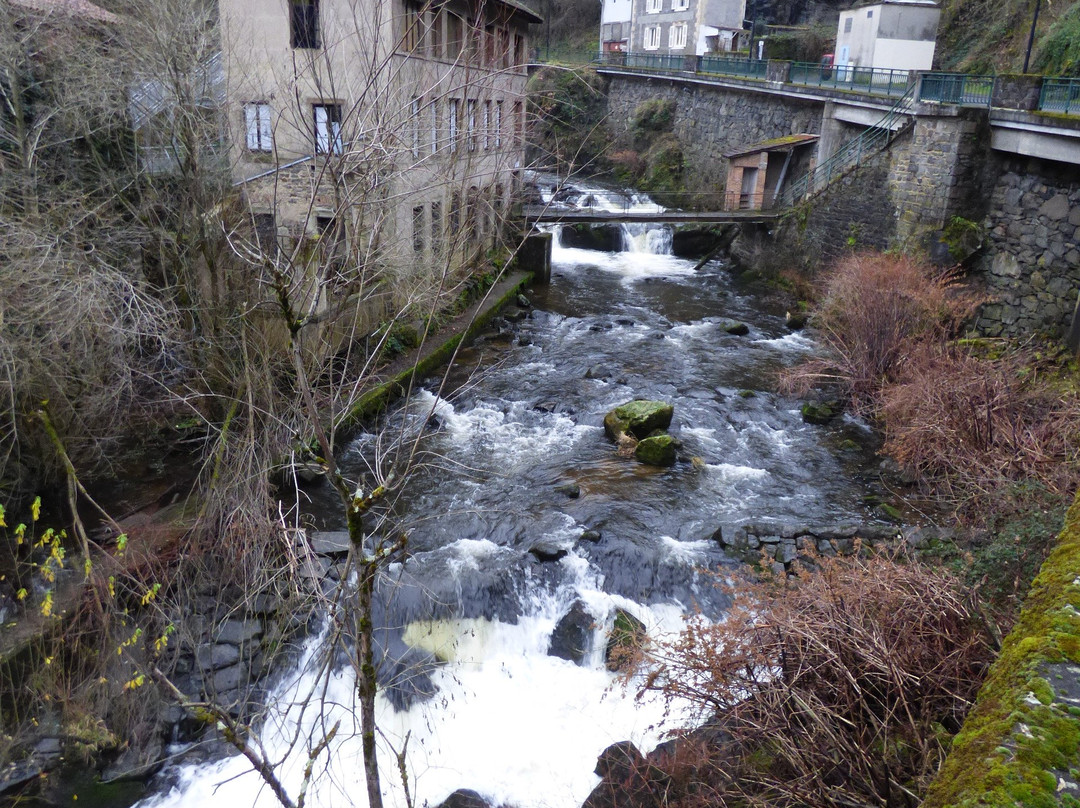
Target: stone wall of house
[1031, 257]
[709, 121]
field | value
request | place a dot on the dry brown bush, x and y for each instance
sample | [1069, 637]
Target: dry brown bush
[975, 424]
[875, 307]
[839, 688]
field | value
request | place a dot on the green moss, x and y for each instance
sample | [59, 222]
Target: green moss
[1045, 736]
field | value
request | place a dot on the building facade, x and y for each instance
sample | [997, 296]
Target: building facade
[686, 27]
[389, 132]
[615, 16]
[894, 35]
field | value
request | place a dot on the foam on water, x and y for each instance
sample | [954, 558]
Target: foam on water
[793, 342]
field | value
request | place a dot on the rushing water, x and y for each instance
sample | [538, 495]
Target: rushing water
[506, 719]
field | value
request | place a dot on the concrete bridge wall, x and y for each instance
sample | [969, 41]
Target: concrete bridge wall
[948, 164]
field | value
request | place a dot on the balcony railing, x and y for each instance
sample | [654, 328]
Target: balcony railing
[1060, 95]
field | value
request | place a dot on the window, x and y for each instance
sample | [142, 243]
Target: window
[304, 23]
[455, 36]
[331, 239]
[654, 6]
[498, 124]
[435, 32]
[436, 227]
[847, 25]
[433, 112]
[519, 50]
[266, 234]
[455, 214]
[452, 122]
[870, 14]
[652, 37]
[415, 124]
[418, 229]
[680, 5]
[518, 123]
[327, 128]
[485, 133]
[470, 123]
[260, 136]
[490, 39]
[411, 33]
[677, 36]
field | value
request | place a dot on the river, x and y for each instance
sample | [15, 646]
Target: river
[521, 433]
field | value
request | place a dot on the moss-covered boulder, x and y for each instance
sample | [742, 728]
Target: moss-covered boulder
[819, 413]
[658, 450]
[638, 419]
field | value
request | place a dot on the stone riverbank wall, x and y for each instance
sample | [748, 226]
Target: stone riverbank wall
[939, 186]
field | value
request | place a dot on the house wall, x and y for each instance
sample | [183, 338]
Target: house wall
[896, 36]
[859, 41]
[615, 18]
[402, 186]
[668, 15]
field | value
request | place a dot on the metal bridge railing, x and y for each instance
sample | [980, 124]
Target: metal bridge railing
[872, 80]
[851, 154]
[955, 88]
[1060, 95]
[733, 66]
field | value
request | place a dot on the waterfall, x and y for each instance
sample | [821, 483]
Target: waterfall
[637, 237]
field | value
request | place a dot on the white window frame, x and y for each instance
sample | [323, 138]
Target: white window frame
[498, 124]
[433, 111]
[485, 130]
[677, 36]
[652, 37]
[470, 123]
[258, 127]
[452, 113]
[680, 5]
[654, 7]
[327, 130]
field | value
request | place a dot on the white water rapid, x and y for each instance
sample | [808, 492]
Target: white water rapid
[469, 617]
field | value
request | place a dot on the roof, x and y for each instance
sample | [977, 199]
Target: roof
[532, 16]
[777, 144]
[76, 8]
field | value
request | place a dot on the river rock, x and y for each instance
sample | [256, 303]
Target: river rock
[569, 489]
[795, 320]
[572, 637]
[602, 237]
[627, 635]
[735, 327]
[464, 798]
[658, 450]
[638, 418]
[549, 550]
[627, 780]
[819, 413]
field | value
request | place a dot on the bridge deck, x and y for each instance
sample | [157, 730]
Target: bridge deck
[541, 214]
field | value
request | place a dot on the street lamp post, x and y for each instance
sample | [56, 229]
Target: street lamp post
[753, 28]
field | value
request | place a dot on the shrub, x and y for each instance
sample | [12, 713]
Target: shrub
[654, 116]
[838, 688]
[876, 306]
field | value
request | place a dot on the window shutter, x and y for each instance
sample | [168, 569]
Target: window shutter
[322, 130]
[265, 132]
[251, 123]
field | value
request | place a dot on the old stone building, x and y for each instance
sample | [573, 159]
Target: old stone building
[387, 131]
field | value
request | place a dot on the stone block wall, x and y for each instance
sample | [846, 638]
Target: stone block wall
[710, 120]
[1031, 259]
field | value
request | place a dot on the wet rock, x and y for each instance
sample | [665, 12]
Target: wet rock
[601, 237]
[464, 798]
[546, 550]
[627, 635]
[572, 637]
[735, 328]
[795, 320]
[658, 450]
[819, 413]
[523, 301]
[569, 489]
[215, 657]
[591, 535]
[638, 418]
[627, 780]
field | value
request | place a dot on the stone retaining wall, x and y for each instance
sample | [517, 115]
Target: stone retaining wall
[1031, 260]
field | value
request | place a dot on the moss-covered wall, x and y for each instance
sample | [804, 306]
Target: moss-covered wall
[1020, 745]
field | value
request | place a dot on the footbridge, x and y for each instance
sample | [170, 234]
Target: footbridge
[547, 214]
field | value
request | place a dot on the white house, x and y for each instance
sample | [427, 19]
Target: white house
[686, 27]
[893, 34]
